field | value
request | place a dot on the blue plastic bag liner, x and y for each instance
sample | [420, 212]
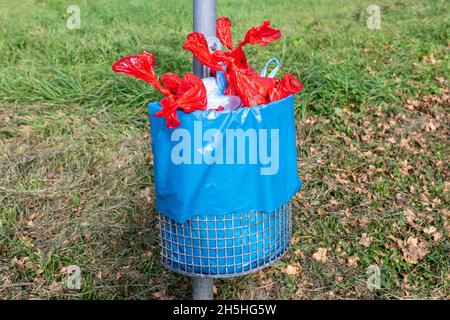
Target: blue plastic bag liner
[219, 162]
[274, 71]
[222, 82]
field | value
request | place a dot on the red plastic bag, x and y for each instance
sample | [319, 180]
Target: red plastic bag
[197, 44]
[246, 82]
[140, 66]
[242, 79]
[223, 31]
[187, 94]
[171, 81]
[169, 112]
[252, 90]
[287, 86]
[191, 94]
[262, 35]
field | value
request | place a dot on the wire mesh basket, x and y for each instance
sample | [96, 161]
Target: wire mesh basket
[225, 245]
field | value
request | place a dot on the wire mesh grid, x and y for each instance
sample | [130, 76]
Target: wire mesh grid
[225, 245]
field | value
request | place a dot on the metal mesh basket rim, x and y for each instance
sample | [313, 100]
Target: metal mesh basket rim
[176, 240]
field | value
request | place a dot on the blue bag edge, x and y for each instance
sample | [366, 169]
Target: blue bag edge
[155, 106]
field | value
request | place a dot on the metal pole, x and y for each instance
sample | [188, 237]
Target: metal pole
[202, 288]
[204, 22]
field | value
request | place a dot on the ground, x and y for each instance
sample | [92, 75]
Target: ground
[373, 150]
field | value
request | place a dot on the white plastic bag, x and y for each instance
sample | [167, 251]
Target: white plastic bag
[217, 99]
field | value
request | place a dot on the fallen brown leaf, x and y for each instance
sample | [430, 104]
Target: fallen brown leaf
[148, 255]
[56, 287]
[299, 253]
[321, 255]
[414, 251]
[432, 231]
[94, 120]
[409, 216]
[365, 240]
[352, 261]
[292, 269]
[294, 240]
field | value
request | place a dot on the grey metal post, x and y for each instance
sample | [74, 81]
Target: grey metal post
[204, 22]
[202, 288]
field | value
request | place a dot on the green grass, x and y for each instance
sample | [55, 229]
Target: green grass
[75, 167]
[341, 62]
